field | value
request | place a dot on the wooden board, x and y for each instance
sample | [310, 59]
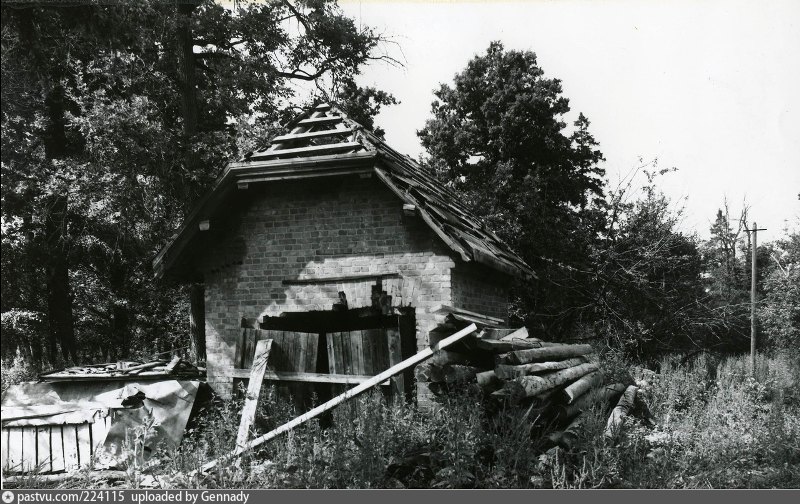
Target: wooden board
[333, 366]
[57, 448]
[28, 449]
[99, 430]
[70, 440]
[84, 444]
[253, 390]
[13, 448]
[394, 356]
[43, 458]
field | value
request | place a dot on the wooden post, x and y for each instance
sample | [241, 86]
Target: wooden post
[753, 301]
[754, 276]
[197, 322]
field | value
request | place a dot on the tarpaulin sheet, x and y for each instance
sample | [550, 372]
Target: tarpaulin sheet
[164, 406]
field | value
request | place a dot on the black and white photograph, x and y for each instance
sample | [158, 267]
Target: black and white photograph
[398, 244]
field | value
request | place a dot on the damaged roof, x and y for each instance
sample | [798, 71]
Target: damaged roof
[324, 142]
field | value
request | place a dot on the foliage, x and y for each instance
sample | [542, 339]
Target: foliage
[716, 427]
[498, 136]
[779, 312]
[116, 118]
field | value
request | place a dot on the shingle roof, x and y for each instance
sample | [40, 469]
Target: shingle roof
[325, 142]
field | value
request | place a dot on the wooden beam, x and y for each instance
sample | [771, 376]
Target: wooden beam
[314, 134]
[359, 389]
[253, 390]
[320, 120]
[460, 311]
[345, 278]
[314, 149]
[288, 376]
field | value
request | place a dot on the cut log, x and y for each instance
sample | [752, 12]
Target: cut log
[530, 386]
[503, 346]
[429, 372]
[509, 372]
[581, 386]
[488, 380]
[601, 395]
[620, 411]
[547, 353]
[457, 373]
[349, 394]
[566, 438]
[443, 357]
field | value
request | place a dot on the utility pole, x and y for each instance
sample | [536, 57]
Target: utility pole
[753, 248]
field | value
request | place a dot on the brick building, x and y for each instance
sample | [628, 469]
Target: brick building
[338, 248]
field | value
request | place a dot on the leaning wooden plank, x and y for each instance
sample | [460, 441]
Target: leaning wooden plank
[253, 390]
[529, 386]
[581, 386]
[620, 411]
[547, 353]
[509, 372]
[315, 412]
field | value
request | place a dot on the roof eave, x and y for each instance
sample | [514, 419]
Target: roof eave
[257, 171]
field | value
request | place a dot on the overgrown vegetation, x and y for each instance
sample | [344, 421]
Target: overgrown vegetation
[715, 427]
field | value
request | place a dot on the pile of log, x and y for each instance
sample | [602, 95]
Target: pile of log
[556, 381]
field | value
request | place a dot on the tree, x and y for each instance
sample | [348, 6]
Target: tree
[115, 119]
[498, 136]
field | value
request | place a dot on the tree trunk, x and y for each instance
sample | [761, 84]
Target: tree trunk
[540, 354]
[59, 296]
[509, 372]
[529, 386]
[186, 75]
[621, 410]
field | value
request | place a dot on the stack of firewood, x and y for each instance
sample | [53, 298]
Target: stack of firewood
[557, 381]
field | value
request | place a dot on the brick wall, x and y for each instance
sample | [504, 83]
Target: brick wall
[481, 290]
[322, 228]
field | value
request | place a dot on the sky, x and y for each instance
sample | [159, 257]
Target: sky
[711, 88]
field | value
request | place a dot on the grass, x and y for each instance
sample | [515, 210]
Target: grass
[716, 426]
